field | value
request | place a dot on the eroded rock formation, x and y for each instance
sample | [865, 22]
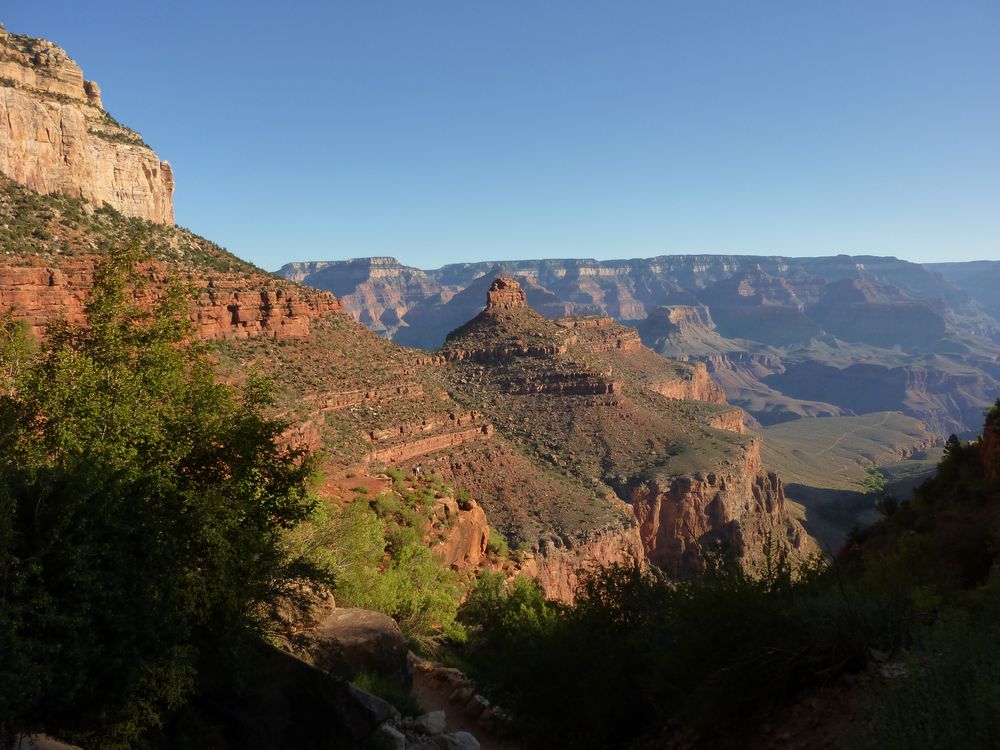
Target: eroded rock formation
[739, 510]
[646, 445]
[558, 567]
[505, 294]
[228, 306]
[55, 136]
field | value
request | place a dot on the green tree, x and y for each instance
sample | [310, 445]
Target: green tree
[874, 482]
[142, 508]
[16, 349]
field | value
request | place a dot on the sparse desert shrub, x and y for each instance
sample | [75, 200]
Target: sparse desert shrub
[497, 544]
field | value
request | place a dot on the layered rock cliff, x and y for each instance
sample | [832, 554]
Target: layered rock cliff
[737, 510]
[56, 137]
[225, 308]
[54, 246]
[558, 568]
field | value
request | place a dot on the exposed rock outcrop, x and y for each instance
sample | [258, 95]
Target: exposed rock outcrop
[463, 545]
[598, 415]
[558, 567]
[735, 510]
[698, 386]
[505, 294]
[351, 642]
[227, 307]
[55, 136]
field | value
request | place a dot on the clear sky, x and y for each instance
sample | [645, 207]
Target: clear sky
[441, 131]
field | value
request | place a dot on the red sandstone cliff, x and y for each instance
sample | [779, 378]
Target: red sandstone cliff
[228, 306]
[736, 509]
[557, 568]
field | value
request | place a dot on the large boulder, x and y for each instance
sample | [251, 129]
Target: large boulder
[288, 705]
[351, 642]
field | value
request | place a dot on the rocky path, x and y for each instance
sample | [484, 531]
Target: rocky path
[434, 695]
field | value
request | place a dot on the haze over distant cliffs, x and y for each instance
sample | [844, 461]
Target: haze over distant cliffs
[785, 337]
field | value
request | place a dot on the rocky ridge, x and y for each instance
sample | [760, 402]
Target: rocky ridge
[548, 386]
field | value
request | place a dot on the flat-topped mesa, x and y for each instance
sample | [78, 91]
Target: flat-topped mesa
[55, 136]
[505, 294]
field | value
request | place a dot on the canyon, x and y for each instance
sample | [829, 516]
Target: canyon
[499, 411]
[563, 495]
[785, 338]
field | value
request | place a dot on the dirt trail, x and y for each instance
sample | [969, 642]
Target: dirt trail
[433, 696]
[851, 432]
[846, 468]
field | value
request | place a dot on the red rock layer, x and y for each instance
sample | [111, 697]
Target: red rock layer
[557, 568]
[229, 307]
[463, 546]
[699, 387]
[737, 509]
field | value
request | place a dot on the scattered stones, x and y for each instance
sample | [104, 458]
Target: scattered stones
[457, 741]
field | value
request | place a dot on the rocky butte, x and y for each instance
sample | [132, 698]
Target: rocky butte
[56, 137]
[646, 451]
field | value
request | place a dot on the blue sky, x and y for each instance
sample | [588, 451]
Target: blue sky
[442, 131]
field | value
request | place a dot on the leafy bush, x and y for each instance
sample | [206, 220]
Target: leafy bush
[378, 561]
[949, 692]
[635, 651]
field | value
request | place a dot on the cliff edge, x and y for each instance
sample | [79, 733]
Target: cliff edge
[56, 137]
